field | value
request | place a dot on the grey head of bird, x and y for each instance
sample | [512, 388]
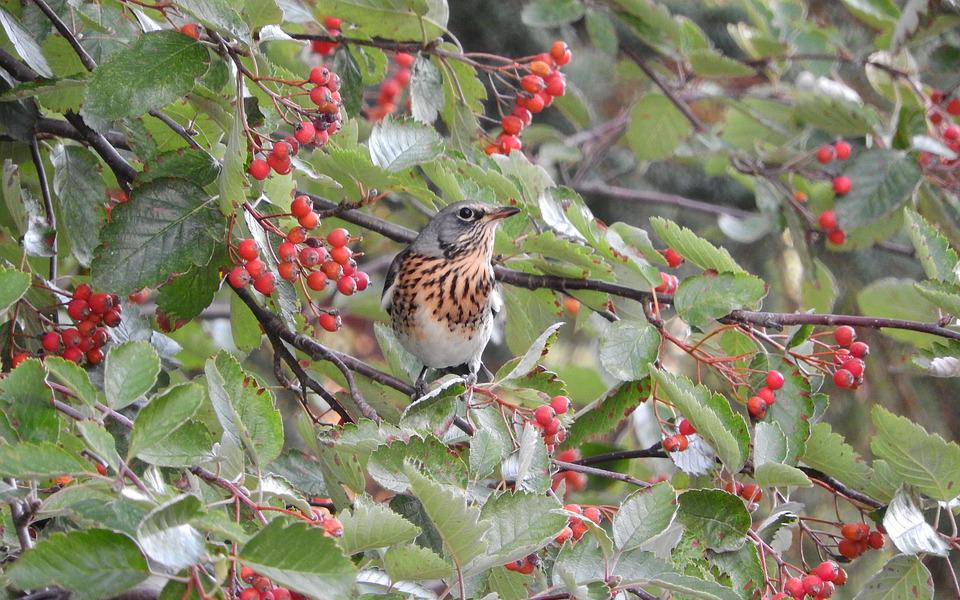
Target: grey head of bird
[460, 228]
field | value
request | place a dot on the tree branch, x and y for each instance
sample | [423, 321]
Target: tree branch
[17, 69]
[47, 206]
[779, 320]
[579, 468]
[682, 106]
[661, 198]
[62, 28]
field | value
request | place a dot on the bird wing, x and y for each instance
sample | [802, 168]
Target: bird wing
[496, 300]
[386, 299]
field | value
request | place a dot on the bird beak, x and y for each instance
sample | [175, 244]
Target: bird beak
[502, 212]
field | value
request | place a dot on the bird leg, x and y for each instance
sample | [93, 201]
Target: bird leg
[420, 385]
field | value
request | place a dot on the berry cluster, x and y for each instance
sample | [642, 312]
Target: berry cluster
[827, 153]
[766, 396]
[576, 528]
[680, 441]
[750, 492]
[668, 282]
[315, 260]
[943, 126]
[545, 418]
[857, 539]
[83, 341]
[542, 83]
[819, 583]
[261, 588]
[315, 131]
[324, 47]
[392, 87]
[576, 481]
[848, 358]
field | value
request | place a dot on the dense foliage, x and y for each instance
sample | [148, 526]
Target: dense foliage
[201, 396]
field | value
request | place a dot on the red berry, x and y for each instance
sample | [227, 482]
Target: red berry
[248, 250]
[827, 570]
[664, 283]
[525, 116]
[825, 154]
[558, 49]
[826, 590]
[100, 303]
[300, 207]
[316, 281]
[332, 22]
[843, 149]
[800, 196]
[556, 84]
[363, 280]
[111, 318]
[855, 366]
[280, 593]
[82, 291]
[676, 443]
[841, 577]
[837, 237]
[330, 321]
[859, 349]
[319, 75]
[844, 335]
[50, 341]
[333, 270]
[288, 271]
[686, 428]
[812, 585]
[848, 549]
[262, 584]
[774, 380]
[297, 235]
[265, 284]
[875, 540]
[751, 492]
[309, 220]
[338, 237]
[827, 220]
[565, 534]
[508, 143]
[794, 587]
[73, 354]
[389, 90]
[842, 185]
[305, 132]
[78, 309]
[592, 513]
[100, 337]
[255, 267]
[544, 414]
[309, 257]
[936, 96]
[341, 254]
[533, 103]
[94, 356]
[560, 404]
[673, 257]
[191, 30]
[402, 77]
[953, 107]
[579, 528]
[512, 124]
[286, 251]
[854, 531]
[347, 285]
[756, 407]
[952, 132]
[259, 169]
[541, 68]
[70, 338]
[767, 395]
[843, 378]
[532, 83]
[403, 59]
[935, 116]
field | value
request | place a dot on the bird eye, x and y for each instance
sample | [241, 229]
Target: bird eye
[465, 213]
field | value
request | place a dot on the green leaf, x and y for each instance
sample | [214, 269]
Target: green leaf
[794, 407]
[538, 349]
[551, 13]
[230, 184]
[390, 19]
[609, 411]
[710, 63]
[397, 145]
[351, 80]
[190, 293]
[219, 15]
[458, 524]
[163, 415]
[943, 295]
[884, 181]
[836, 116]
[694, 248]
[924, 460]
[710, 414]
[302, 558]
[372, 525]
[901, 577]
[13, 285]
[644, 515]
[939, 260]
[100, 441]
[160, 67]
[531, 311]
[166, 536]
[39, 461]
[640, 567]
[827, 452]
[744, 569]
[426, 91]
[521, 523]
[881, 14]
[463, 96]
[656, 128]
[718, 519]
[131, 371]
[898, 299]
[73, 377]
[25, 44]
[602, 31]
[413, 563]
[81, 192]
[245, 408]
[186, 446]
[703, 298]
[167, 227]
[195, 166]
[627, 347]
[94, 563]
[25, 391]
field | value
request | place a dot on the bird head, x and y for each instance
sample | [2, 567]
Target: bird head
[461, 227]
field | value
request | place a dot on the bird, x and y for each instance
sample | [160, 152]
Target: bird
[440, 291]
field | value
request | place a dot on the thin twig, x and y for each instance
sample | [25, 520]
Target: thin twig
[51, 216]
[682, 106]
[61, 27]
[177, 128]
[569, 466]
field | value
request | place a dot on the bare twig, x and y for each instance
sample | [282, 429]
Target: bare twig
[569, 466]
[51, 216]
[682, 106]
[661, 198]
[62, 28]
